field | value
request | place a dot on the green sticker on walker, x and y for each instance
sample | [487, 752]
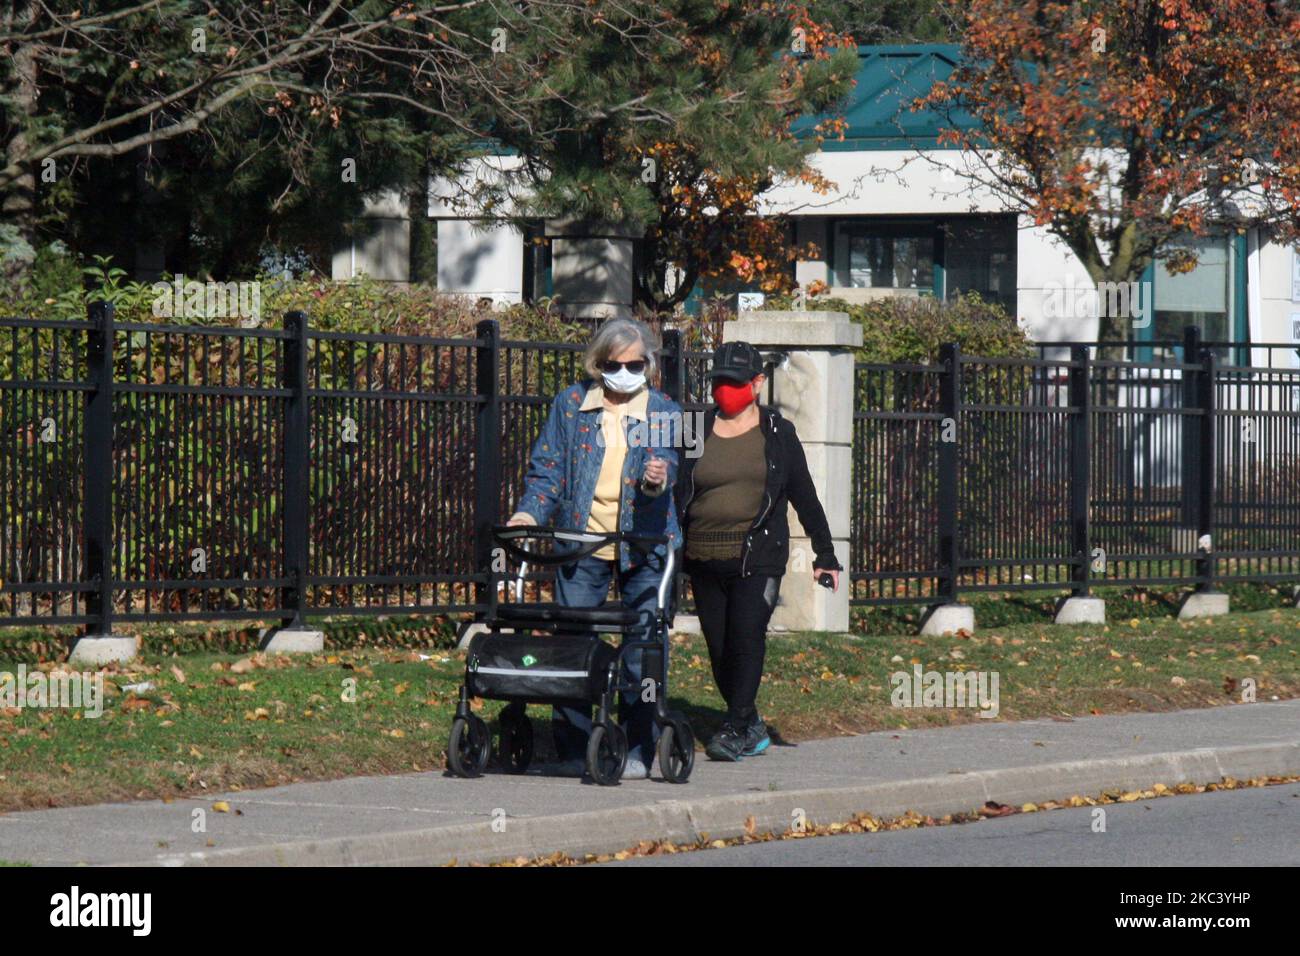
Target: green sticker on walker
[529, 660]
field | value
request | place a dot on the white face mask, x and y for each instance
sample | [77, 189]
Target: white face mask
[624, 381]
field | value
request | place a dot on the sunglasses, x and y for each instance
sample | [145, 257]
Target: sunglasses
[636, 366]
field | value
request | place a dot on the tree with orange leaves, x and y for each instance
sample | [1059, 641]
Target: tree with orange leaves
[709, 226]
[1130, 127]
[683, 139]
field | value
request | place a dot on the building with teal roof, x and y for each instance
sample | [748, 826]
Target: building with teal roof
[903, 221]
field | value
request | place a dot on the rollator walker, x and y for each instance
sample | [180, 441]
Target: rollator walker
[545, 653]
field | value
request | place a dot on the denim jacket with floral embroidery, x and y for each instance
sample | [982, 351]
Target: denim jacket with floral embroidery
[565, 464]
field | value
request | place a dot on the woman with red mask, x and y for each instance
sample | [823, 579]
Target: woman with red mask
[731, 500]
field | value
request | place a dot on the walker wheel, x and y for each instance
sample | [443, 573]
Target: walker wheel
[676, 751]
[469, 747]
[607, 754]
[515, 745]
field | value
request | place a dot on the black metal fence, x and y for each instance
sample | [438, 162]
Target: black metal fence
[164, 472]
[978, 474]
[167, 472]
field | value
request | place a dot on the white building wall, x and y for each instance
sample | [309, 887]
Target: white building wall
[480, 260]
[900, 182]
[1045, 266]
[488, 261]
[928, 183]
[477, 258]
[1279, 301]
[380, 244]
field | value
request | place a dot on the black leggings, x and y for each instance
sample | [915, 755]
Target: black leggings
[734, 612]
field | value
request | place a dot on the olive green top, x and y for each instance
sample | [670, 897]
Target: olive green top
[729, 482]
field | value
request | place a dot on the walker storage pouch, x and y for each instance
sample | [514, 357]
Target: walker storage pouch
[526, 667]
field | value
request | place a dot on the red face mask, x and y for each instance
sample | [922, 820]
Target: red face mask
[733, 397]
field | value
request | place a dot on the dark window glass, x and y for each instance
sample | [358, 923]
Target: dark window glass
[885, 256]
[980, 256]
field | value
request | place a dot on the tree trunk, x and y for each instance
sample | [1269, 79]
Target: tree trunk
[19, 200]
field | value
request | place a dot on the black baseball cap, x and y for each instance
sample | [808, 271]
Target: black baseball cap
[736, 360]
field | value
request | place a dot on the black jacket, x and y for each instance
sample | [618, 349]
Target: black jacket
[766, 548]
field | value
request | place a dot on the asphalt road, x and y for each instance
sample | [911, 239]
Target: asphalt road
[1252, 827]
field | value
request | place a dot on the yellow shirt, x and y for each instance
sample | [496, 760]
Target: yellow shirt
[610, 481]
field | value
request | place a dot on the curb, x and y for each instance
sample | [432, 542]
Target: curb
[686, 821]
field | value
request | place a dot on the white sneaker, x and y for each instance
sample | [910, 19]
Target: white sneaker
[635, 769]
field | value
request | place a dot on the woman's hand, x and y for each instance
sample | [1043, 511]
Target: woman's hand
[656, 472]
[521, 518]
[835, 577]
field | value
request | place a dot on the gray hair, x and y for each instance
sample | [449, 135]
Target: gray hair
[616, 335]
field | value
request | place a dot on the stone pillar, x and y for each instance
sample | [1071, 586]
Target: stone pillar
[813, 388]
[591, 267]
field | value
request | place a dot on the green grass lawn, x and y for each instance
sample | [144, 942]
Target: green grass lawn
[217, 721]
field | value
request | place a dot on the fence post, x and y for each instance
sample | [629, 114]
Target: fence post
[950, 408]
[99, 645]
[1205, 479]
[673, 382]
[1199, 466]
[1080, 607]
[1079, 400]
[487, 455]
[294, 636]
[296, 437]
[1191, 448]
[948, 615]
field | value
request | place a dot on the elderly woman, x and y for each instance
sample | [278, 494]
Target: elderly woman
[585, 474]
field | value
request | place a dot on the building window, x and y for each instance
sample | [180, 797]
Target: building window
[885, 256]
[1202, 297]
[980, 256]
[944, 257]
[1211, 297]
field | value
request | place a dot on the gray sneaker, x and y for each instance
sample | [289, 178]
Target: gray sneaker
[756, 738]
[727, 744]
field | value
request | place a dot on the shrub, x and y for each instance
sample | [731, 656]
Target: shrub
[358, 305]
[912, 329]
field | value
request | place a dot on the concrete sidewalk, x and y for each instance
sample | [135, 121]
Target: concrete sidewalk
[431, 818]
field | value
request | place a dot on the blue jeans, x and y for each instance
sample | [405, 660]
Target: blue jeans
[586, 584]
